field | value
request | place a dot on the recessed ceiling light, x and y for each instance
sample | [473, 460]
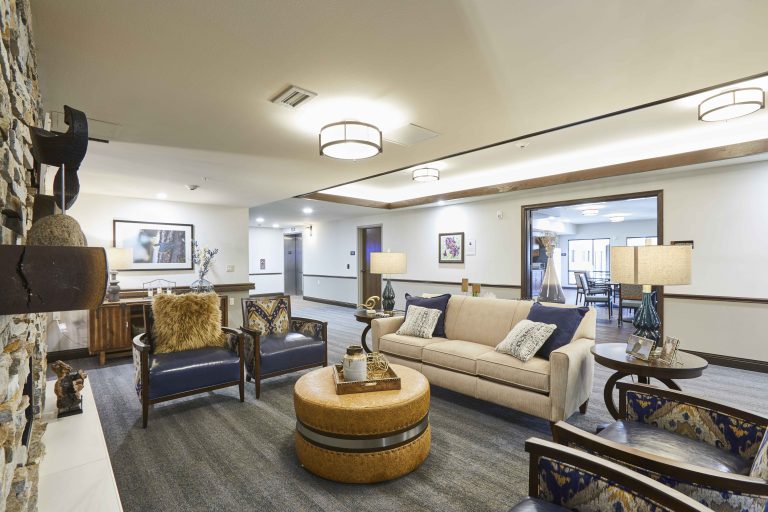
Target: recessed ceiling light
[425, 174]
[590, 212]
[275, 225]
[440, 203]
[307, 210]
[732, 104]
[161, 195]
[259, 219]
[616, 218]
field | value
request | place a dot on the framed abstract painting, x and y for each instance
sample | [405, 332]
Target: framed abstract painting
[451, 247]
[155, 245]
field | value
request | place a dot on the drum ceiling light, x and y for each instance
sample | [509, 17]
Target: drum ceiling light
[350, 140]
[732, 104]
[425, 174]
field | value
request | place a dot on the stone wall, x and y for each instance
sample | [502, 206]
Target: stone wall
[22, 338]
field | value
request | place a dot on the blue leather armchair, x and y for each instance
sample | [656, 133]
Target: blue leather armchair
[277, 343]
[711, 451]
[562, 478]
[163, 377]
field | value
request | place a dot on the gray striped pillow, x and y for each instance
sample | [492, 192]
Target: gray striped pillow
[419, 322]
[525, 339]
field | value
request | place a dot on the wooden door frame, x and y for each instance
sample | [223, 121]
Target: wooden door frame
[361, 255]
[525, 232]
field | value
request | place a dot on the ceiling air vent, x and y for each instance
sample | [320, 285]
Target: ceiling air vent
[293, 97]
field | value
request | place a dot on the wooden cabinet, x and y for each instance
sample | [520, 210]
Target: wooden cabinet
[112, 326]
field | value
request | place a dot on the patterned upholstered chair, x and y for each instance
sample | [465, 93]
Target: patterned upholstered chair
[562, 478]
[277, 343]
[163, 377]
[712, 452]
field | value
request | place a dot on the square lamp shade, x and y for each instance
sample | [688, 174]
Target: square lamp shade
[657, 265]
[388, 263]
[119, 259]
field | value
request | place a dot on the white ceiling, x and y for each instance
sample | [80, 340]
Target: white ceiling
[189, 81]
[289, 213]
[631, 209]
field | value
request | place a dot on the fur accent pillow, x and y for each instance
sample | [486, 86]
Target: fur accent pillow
[419, 322]
[186, 322]
[525, 339]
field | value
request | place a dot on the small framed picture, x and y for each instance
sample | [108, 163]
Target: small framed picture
[451, 247]
[639, 347]
[669, 350]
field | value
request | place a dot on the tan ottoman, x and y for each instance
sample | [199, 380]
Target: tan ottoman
[361, 437]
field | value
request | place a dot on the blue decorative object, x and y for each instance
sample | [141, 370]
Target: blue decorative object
[439, 302]
[388, 297]
[647, 321]
[567, 321]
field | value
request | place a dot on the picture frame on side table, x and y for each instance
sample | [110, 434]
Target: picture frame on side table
[155, 245]
[639, 347]
[669, 350]
[451, 247]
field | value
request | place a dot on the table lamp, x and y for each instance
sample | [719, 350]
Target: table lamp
[650, 265]
[388, 263]
[118, 259]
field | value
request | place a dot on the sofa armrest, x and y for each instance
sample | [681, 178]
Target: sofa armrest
[716, 489]
[570, 382]
[382, 326]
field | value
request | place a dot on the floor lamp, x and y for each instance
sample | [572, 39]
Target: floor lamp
[388, 263]
[650, 265]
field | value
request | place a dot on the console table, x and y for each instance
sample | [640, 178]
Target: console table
[111, 326]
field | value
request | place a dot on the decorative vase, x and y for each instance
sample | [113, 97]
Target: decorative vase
[202, 285]
[388, 297]
[647, 321]
[551, 289]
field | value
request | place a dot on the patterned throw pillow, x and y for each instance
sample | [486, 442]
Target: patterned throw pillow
[525, 339]
[269, 315]
[419, 322]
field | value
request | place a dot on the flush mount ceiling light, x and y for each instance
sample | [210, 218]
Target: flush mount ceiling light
[259, 219]
[350, 140]
[732, 104]
[307, 210]
[590, 212]
[425, 174]
[616, 218]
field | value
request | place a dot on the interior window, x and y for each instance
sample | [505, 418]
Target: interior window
[590, 255]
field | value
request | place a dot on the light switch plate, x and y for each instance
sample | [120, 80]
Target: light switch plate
[231, 301]
[230, 268]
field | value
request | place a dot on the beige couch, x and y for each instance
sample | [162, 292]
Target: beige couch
[465, 361]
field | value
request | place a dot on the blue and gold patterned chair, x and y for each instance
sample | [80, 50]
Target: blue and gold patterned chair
[563, 478]
[277, 343]
[712, 452]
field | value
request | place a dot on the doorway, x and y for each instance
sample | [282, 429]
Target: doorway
[293, 272]
[369, 240]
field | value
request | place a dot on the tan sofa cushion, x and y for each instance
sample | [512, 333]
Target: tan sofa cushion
[455, 355]
[481, 320]
[533, 375]
[405, 346]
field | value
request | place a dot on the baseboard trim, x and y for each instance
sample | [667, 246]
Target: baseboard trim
[67, 355]
[331, 302]
[739, 363]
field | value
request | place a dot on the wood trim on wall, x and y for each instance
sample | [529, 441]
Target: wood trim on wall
[450, 283]
[732, 362]
[331, 302]
[717, 298]
[330, 277]
[266, 274]
[219, 288]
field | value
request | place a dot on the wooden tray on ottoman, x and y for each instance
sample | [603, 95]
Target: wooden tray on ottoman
[389, 381]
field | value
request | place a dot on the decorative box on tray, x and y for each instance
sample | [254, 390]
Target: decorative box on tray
[388, 381]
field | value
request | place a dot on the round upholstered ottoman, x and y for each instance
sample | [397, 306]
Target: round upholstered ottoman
[361, 437]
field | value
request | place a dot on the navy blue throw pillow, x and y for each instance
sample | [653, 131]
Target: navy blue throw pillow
[567, 321]
[439, 302]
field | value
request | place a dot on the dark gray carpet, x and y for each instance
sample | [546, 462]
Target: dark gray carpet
[211, 452]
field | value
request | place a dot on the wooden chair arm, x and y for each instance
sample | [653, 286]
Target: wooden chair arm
[252, 332]
[140, 344]
[568, 435]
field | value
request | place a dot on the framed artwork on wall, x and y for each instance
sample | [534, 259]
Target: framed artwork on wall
[155, 245]
[451, 247]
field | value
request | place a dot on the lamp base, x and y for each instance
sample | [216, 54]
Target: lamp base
[647, 321]
[113, 291]
[388, 298]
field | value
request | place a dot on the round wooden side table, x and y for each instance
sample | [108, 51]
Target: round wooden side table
[362, 315]
[615, 357]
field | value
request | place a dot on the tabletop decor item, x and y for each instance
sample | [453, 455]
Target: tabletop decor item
[370, 304]
[68, 386]
[650, 265]
[355, 364]
[118, 259]
[641, 347]
[158, 286]
[669, 350]
[388, 263]
[377, 365]
[551, 289]
[476, 289]
[155, 245]
[202, 256]
[387, 382]
[451, 247]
